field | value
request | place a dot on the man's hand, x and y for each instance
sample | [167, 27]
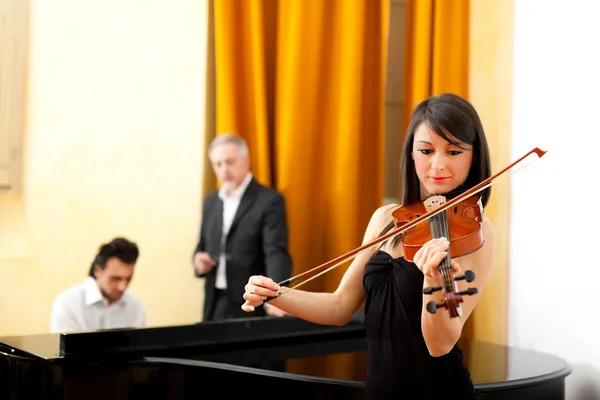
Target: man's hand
[203, 263]
[274, 311]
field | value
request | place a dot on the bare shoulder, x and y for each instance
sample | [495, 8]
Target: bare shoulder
[488, 228]
[381, 218]
[482, 260]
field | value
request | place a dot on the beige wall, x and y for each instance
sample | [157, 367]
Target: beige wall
[113, 146]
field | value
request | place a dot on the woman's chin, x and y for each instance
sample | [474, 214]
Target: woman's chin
[440, 189]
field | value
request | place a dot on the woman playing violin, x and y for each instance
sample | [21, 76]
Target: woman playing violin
[413, 353]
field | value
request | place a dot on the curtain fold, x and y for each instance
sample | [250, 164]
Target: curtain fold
[241, 80]
[304, 81]
[437, 51]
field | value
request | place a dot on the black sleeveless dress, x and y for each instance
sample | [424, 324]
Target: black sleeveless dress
[400, 366]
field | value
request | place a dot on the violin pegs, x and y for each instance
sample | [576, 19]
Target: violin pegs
[429, 290]
[469, 276]
[432, 307]
[469, 292]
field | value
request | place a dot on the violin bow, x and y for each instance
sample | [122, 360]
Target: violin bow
[336, 262]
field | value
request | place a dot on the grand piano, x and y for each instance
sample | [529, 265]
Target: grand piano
[237, 358]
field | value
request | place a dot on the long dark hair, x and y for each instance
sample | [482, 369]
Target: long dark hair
[447, 113]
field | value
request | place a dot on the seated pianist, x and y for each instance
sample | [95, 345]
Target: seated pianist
[102, 300]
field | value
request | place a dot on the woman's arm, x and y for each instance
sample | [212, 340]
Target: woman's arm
[335, 308]
[439, 330]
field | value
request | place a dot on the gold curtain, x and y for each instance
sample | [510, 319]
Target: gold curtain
[244, 37]
[304, 81]
[437, 50]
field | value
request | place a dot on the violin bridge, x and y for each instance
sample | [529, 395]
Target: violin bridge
[434, 201]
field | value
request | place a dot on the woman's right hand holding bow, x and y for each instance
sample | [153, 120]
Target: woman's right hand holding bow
[257, 290]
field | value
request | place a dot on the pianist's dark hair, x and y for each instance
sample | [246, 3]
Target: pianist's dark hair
[121, 248]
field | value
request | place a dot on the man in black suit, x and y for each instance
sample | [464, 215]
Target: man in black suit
[243, 233]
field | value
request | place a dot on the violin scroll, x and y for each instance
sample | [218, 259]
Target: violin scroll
[451, 302]
[468, 276]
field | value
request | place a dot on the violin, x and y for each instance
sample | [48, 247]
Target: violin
[461, 225]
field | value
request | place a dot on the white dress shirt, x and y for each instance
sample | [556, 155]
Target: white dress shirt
[82, 308]
[231, 203]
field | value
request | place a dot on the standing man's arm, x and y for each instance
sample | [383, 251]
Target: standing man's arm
[201, 261]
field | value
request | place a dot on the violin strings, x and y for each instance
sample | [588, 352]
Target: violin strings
[441, 228]
[446, 233]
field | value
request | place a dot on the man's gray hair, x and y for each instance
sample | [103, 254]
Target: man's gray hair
[225, 138]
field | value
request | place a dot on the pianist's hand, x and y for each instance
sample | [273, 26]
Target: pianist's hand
[258, 289]
[203, 263]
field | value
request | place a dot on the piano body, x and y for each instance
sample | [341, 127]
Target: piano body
[232, 358]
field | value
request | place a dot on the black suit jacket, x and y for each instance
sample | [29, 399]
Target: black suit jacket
[257, 243]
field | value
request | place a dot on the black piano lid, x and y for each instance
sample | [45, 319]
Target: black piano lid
[206, 337]
[45, 346]
[242, 342]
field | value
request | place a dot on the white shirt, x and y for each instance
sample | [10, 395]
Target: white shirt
[231, 203]
[82, 308]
